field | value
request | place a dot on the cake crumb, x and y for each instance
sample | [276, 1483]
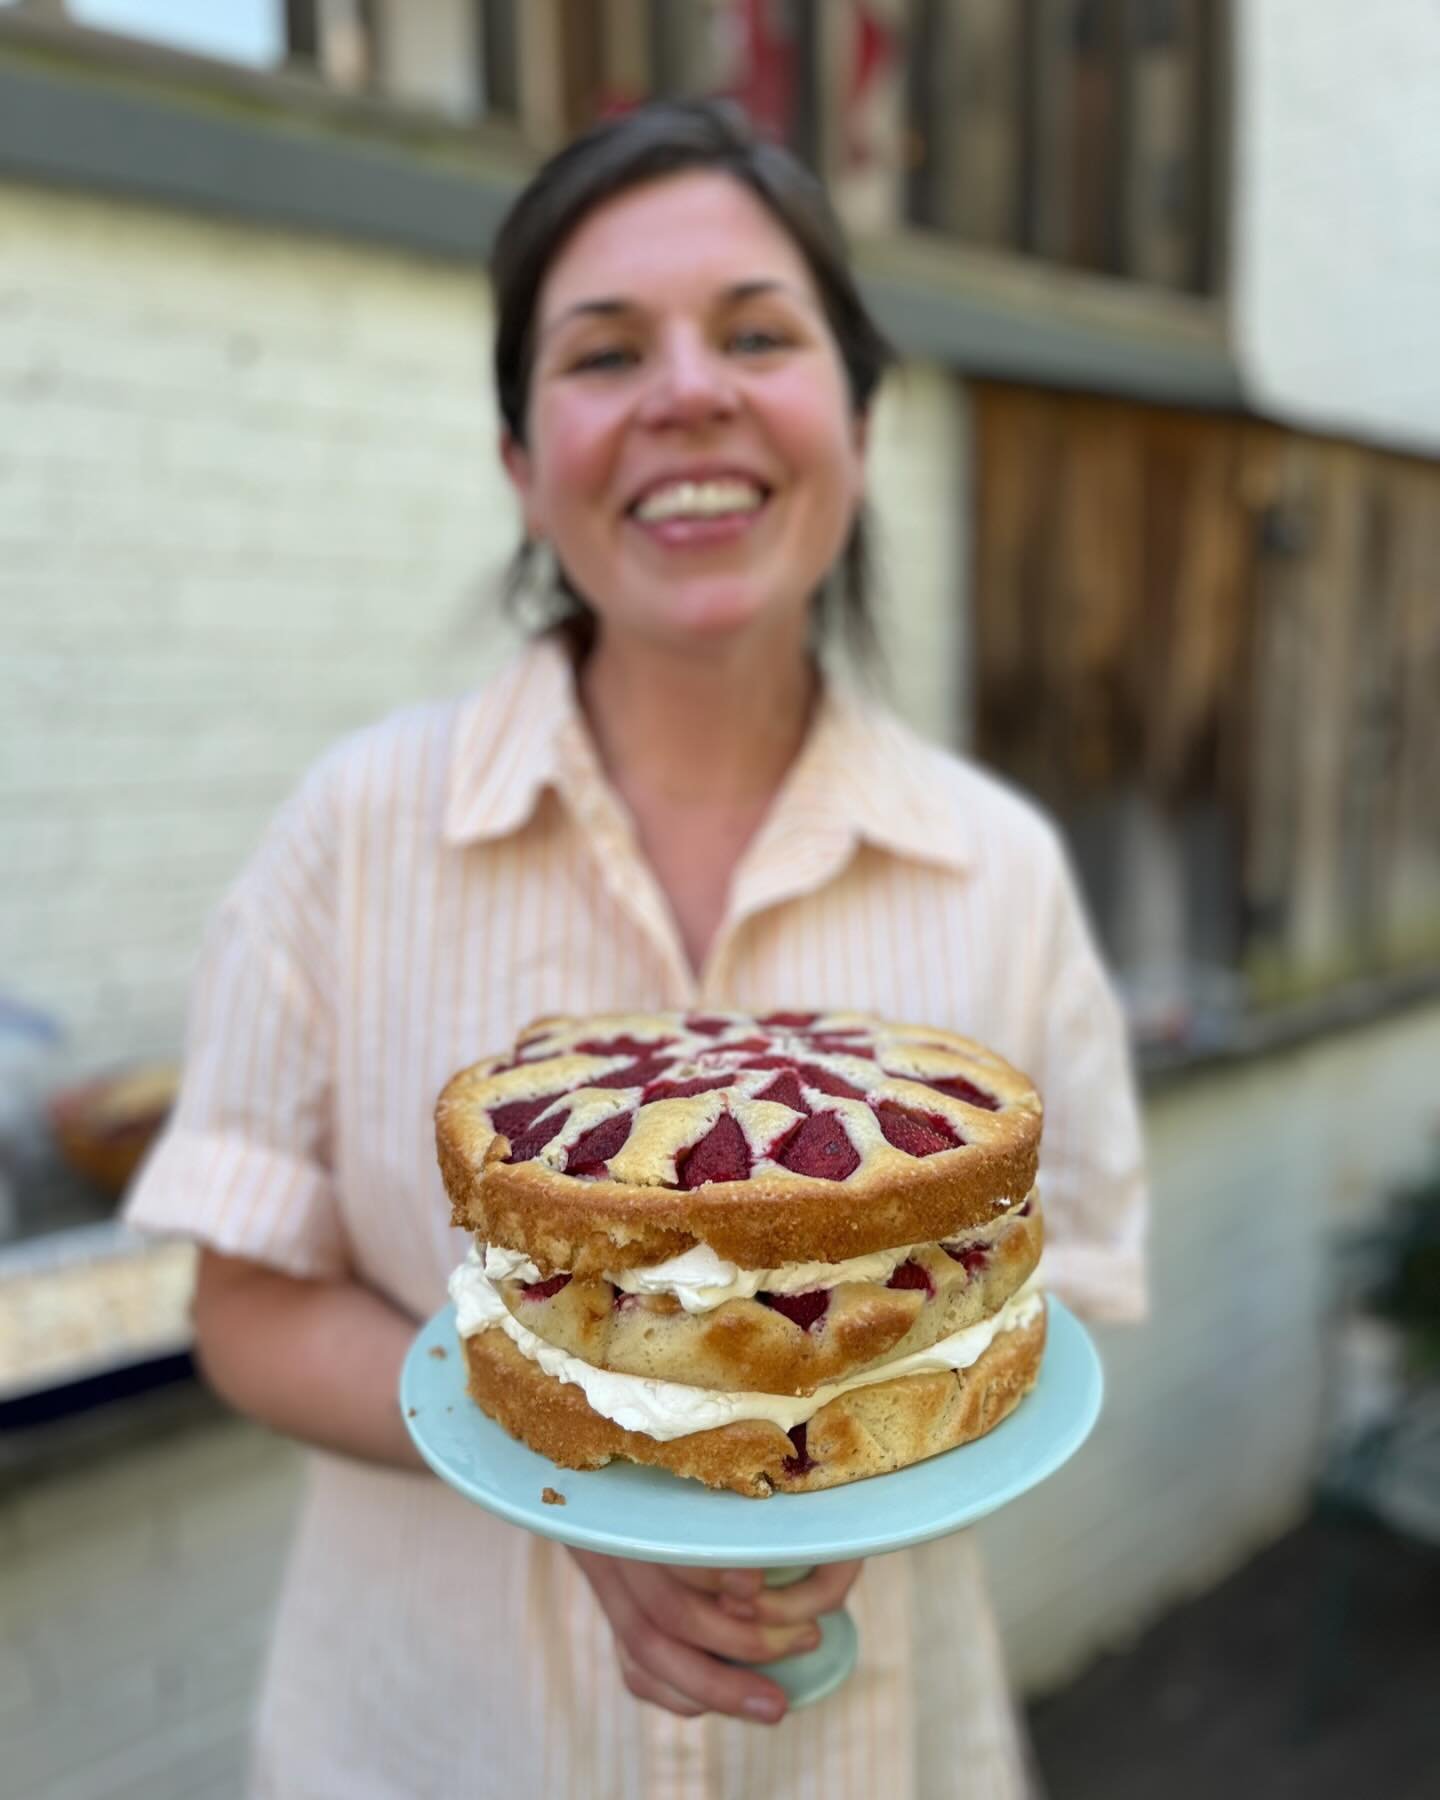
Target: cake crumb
[551, 1498]
[410, 1412]
[439, 1352]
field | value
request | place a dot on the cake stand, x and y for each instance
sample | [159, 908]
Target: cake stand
[625, 1509]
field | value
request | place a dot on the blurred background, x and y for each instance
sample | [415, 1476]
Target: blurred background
[1158, 485]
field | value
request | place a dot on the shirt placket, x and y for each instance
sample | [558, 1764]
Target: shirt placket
[628, 878]
[803, 866]
[805, 842]
[675, 1761]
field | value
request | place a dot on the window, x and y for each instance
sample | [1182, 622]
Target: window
[242, 31]
[764, 53]
[1083, 132]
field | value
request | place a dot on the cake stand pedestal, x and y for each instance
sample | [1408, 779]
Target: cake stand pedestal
[625, 1509]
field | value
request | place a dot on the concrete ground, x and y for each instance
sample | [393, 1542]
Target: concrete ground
[1313, 1673]
[138, 1571]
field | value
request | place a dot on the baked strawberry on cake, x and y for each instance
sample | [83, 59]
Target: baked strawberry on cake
[770, 1253]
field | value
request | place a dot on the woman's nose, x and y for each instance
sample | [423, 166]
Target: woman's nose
[691, 385]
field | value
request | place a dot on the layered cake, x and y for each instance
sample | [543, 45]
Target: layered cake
[772, 1253]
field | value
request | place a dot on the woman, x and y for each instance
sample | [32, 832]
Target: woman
[660, 804]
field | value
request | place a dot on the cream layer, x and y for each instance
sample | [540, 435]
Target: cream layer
[700, 1280]
[668, 1409]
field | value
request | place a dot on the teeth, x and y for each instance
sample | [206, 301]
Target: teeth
[699, 500]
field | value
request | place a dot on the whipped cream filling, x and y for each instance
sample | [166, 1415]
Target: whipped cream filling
[668, 1409]
[700, 1280]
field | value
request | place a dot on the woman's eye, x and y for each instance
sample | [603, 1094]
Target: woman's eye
[755, 341]
[604, 361]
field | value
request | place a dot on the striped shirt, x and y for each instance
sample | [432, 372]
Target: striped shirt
[437, 882]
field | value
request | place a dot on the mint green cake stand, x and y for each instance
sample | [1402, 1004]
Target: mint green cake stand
[653, 1516]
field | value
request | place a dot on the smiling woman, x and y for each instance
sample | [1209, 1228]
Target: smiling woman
[665, 806]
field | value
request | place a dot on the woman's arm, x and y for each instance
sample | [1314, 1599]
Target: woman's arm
[317, 1360]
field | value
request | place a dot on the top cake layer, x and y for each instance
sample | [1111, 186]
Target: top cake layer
[607, 1143]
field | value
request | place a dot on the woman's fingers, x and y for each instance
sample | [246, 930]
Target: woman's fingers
[659, 1668]
[818, 1593]
[696, 1618]
[645, 1686]
[743, 1584]
[701, 1680]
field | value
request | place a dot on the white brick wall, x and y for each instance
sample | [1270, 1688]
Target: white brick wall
[1213, 1408]
[920, 473]
[248, 500]
[1337, 214]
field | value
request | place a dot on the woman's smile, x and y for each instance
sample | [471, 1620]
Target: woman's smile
[699, 508]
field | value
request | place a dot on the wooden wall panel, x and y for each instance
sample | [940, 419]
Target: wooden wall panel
[1409, 918]
[1232, 634]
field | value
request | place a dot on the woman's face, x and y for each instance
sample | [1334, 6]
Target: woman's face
[692, 456]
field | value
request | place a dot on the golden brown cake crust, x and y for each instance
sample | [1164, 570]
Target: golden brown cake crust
[746, 1344]
[634, 1210]
[870, 1431]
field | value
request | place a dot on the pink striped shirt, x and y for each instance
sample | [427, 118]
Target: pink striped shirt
[438, 881]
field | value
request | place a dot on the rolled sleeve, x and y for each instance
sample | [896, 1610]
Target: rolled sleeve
[1092, 1159]
[242, 1199]
[245, 1165]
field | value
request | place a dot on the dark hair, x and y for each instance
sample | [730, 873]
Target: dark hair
[660, 139]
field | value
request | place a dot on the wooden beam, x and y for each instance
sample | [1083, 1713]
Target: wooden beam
[1046, 111]
[541, 69]
[978, 115]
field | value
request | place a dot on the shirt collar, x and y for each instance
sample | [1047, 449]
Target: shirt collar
[862, 773]
[882, 781]
[506, 743]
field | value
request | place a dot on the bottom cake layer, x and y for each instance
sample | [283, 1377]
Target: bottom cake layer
[868, 1431]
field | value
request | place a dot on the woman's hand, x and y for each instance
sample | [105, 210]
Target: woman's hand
[673, 1626]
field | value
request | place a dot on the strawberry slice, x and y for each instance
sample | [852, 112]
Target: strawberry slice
[516, 1116]
[530, 1143]
[801, 1309]
[624, 1045]
[828, 1082]
[591, 1151]
[911, 1275]
[973, 1256]
[679, 1090]
[915, 1134]
[832, 1044]
[789, 1021]
[811, 1074]
[721, 1155]
[820, 1147]
[960, 1089]
[800, 1463]
[785, 1089]
[636, 1074]
[543, 1290]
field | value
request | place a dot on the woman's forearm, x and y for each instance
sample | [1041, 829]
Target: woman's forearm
[319, 1361]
